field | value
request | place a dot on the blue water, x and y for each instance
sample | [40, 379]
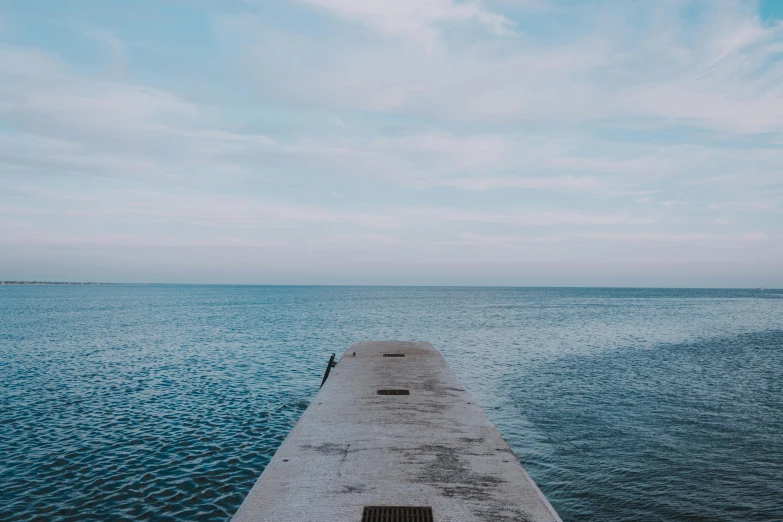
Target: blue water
[166, 402]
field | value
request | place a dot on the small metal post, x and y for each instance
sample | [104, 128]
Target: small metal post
[329, 367]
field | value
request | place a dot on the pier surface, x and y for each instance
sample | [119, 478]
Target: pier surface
[433, 448]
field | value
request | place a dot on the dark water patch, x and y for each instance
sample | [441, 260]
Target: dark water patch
[679, 432]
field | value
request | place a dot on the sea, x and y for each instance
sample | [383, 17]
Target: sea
[165, 402]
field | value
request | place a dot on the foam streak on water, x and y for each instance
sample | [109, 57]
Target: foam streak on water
[166, 402]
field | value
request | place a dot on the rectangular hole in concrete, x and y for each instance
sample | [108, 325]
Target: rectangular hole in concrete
[394, 392]
[394, 355]
[397, 514]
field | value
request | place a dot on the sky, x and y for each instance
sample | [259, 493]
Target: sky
[410, 142]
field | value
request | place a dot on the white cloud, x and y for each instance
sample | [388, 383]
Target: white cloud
[553, 183]
[655, 237]
[66, 123]
[528, 218]
[242, 212]
[201, 209]
[742, 205]
[755, 236]
[414, 19]
[720, 71]
[469, 240]
[70, 124]
[41, 90]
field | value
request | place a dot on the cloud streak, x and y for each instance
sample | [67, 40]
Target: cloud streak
[725, 75]
[414, 19]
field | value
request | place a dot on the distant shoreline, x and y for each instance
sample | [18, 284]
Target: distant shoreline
[48, 283]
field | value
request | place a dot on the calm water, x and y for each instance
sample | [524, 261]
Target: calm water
[166, 402]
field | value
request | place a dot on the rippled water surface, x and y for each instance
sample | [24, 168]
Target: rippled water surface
[166, 402]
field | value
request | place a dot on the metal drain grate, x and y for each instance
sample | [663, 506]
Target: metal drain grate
[397, 514]
[394, 392]
[394, 355]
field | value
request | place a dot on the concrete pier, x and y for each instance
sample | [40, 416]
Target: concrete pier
[393, 426]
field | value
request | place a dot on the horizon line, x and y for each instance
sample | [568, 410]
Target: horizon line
[42, 283]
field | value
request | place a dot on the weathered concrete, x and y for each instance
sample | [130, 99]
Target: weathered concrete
[355, 448]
